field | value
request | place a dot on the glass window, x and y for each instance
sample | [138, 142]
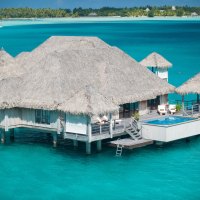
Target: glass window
[42, 116]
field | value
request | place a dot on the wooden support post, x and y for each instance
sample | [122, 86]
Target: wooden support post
[159, 143]
[187, 140]
[88, 148]
[58, 126]
[3, 136]
[99, 145]
[75, 143]
[7, 136]
[89, 130]
[198, 100]
[111, 128]
[12, 134]
[183, 104]
[55, 139]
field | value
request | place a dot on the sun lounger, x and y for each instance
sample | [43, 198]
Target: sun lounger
[172, 109]
[162, 109]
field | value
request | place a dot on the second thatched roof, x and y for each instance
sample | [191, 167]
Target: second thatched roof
[80, 75]
[155, 60]
[191, 86]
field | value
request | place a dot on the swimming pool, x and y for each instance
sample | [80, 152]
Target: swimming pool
[170, 120]
[170, 128]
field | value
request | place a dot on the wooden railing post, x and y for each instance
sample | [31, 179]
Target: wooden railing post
[192, 110]
[183, 104]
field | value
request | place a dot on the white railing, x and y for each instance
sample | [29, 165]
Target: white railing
[191, 110]
[100, 128]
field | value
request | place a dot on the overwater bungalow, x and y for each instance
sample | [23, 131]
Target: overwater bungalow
[192, 86]
[160, 66]
[75, 86]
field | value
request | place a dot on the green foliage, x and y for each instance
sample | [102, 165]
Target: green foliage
[33, 13]
[136, 116]
[180, 13]
[151, 14]
[178, 107]
[105, 11]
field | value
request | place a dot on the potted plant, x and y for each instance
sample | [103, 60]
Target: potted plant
[136, 116]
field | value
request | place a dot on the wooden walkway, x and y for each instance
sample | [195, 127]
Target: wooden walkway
[129, 143]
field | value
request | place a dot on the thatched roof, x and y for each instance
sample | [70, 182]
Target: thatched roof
[92, 103]
[22, 56]
[156, 60]
[58, 73]
[191, 86]
[5, 58]
[8, 66]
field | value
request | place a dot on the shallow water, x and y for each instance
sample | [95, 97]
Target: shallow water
[32, 169]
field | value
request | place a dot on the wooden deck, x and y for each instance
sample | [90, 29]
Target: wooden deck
[128, 143]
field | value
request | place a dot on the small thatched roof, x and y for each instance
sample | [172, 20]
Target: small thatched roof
[58, 73]
[156, 60]
[191, 86]
[92, 103]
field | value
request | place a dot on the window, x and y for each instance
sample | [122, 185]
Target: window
[42, 116]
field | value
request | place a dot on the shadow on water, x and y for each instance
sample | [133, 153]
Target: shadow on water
[65, 147]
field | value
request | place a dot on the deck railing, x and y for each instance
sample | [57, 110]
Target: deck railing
[100, 128]
[191, 109]
[119, 125]
[186, 103]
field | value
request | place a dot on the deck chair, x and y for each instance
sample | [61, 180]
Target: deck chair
[162, 110]
[172, 109]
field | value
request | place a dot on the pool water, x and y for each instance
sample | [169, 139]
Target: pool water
[170, 120]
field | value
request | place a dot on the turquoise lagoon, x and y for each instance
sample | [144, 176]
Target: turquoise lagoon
[32, 169]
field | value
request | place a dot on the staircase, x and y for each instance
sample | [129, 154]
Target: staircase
[134, 131]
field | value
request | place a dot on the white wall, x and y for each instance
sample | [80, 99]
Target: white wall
[26, 117]
[143, 108]
[171, 133]
[163, 73]
[76, 124]
[183, 131]
[164, 99]
[152, 132]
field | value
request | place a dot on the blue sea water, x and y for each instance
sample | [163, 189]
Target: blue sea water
[31, 169]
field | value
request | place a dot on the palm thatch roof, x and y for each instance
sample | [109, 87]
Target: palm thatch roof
[91, 101]
[191, 86]
[155, 60]
[21, 56]
[5, 58]
[8, 66]
[58, 72]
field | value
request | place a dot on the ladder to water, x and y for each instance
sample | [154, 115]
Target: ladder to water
[119, 149]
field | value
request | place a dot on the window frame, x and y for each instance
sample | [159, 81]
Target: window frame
[42, 116]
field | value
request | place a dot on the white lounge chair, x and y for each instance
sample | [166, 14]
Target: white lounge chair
[104, 118]
[172, 108]
[162, 109]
